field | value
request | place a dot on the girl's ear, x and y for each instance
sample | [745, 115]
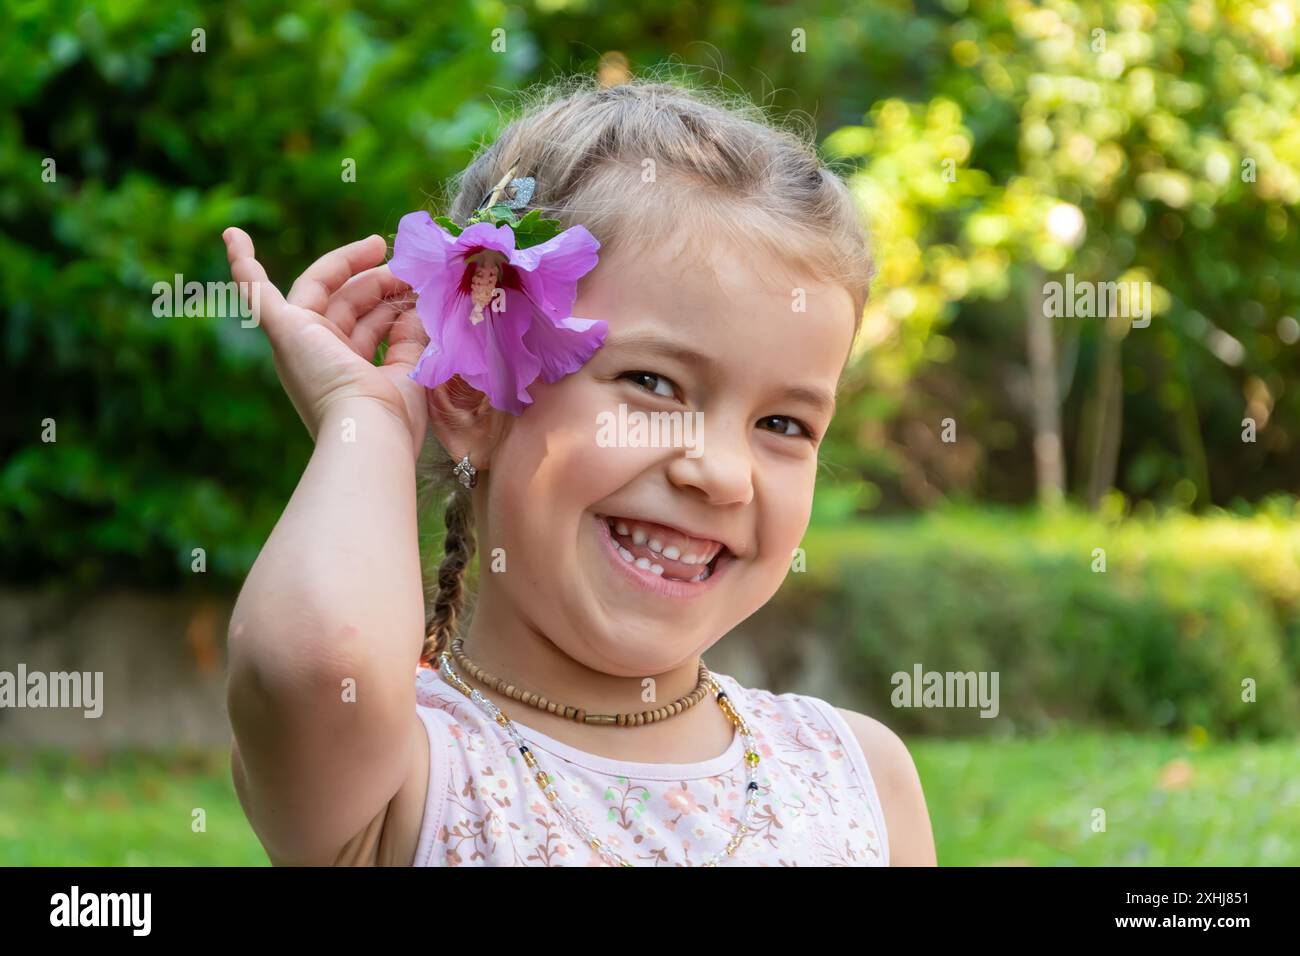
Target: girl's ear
[463, 420]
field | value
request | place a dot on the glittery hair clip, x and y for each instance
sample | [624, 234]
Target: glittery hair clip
[514, 193]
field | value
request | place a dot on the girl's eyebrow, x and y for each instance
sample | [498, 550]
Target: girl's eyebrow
[658, 345]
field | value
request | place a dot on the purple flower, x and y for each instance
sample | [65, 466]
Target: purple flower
[497, 316]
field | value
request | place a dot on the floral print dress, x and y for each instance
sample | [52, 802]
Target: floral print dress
[817, 802]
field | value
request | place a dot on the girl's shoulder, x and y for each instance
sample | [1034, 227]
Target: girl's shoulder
[877, 756]
[821, 739]
[791, 709]
[433, 694]
[786, 713]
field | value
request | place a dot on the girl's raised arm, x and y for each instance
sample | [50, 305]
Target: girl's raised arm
[328, 626]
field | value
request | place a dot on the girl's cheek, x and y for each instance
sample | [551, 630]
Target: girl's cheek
[789, 520]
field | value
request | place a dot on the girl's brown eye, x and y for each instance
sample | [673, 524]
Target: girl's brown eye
[637, 375]
[808, 432]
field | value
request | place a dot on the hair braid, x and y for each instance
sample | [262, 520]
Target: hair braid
[458, 547]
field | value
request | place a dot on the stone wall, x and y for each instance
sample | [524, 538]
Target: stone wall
[163, 664]
[162, 659]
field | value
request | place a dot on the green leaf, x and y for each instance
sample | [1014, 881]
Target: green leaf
[530, 221]
[538, 230]
[447, 224]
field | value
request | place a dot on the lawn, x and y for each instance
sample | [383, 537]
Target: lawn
[1167, 802]
[1014, 802]
[122, 809]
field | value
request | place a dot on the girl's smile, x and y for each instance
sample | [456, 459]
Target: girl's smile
[636, 560]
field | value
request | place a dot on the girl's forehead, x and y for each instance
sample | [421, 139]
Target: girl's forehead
[733, 320]
[713, 270]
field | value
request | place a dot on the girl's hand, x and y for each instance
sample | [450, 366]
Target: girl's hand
[324, 335]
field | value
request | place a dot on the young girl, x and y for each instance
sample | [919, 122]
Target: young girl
[574, 723]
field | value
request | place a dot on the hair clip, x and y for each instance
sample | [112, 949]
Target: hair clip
[511, 192]
[520, 192]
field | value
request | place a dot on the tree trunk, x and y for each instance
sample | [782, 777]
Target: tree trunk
[1109, 419]
[1049, 463]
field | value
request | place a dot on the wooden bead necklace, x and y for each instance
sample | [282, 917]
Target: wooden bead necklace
[577, 714]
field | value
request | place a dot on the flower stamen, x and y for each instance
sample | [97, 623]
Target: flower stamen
[483, 284]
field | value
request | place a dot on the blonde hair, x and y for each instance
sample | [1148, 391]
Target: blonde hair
[641, 161]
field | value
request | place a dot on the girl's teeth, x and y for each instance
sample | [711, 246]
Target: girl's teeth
[671, 552]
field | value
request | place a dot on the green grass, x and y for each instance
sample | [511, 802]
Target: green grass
[124, 809]
[1031, 802]
[1167, 802]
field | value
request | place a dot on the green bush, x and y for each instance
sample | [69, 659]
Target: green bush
[1185, 611]
[172, 432]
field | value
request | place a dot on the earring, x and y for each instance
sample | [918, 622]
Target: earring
[466, 472]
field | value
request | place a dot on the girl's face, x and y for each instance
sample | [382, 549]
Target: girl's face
[745, 363]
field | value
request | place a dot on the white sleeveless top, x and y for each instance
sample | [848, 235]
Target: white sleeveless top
[817, 801]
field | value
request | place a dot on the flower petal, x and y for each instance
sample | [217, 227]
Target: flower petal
[549, 272]
[506, 352]
[563, 347]
[484, 235]
[511, 367]
[456, 345]
[420, 254]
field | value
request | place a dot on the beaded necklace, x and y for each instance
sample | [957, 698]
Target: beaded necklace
[541, 702]
[545, 781]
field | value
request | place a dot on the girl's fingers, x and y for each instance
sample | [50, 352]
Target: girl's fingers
[406, 340]
[370, 330]
[361, 294]
[327, 274]
[265, 301]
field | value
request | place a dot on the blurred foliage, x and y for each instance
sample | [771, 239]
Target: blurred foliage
[172, 433]
[1170, 132]
[1185, 610]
